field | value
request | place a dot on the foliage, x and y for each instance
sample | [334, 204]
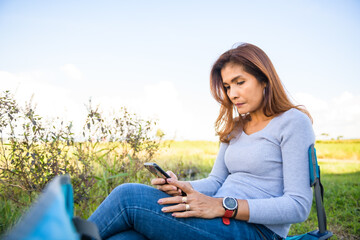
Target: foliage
[109, 152]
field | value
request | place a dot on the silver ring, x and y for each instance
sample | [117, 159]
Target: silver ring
[187, 207]
[184, 199]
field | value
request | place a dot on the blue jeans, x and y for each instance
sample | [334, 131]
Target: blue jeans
[131, 211]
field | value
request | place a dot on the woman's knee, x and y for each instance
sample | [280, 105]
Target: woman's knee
[127, 187]
[131, 189]
[135, 196]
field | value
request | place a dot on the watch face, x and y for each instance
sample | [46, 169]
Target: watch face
[230, 203]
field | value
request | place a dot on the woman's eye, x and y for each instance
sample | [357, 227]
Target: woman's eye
[227, 87]
[240, 83]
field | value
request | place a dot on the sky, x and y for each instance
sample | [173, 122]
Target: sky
[154, 57]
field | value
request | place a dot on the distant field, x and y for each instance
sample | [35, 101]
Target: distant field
[339, 149]
[207, 150]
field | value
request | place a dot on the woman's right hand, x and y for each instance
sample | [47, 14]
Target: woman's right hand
[161, 184]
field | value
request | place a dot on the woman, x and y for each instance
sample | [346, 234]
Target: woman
[259, 183]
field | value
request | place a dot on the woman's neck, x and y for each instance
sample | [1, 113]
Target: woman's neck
[258, 117]
[256, 123]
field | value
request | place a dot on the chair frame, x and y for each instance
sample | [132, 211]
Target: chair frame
[322, 232]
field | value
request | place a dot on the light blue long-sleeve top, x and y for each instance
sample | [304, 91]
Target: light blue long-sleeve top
[270, 169]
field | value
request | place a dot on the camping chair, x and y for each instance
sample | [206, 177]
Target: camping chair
[322, 232]
[51, 217]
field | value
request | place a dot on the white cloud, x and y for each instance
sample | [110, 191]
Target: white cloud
[339, 116]
[72, 72]
[160, 102]
[49, 100]
[23, 85]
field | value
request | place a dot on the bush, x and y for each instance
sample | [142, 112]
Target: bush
[108, 152]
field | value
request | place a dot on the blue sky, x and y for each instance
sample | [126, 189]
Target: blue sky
[155, 57]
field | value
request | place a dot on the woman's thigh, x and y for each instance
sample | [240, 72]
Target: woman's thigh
[127, 235]
[135, 207]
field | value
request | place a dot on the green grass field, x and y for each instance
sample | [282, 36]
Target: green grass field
[339, 149]
[340, 171]
[341, 200]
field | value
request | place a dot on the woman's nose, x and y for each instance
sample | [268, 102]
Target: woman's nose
[233, 94]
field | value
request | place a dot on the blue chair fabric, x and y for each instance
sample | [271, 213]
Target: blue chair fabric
[51, 217]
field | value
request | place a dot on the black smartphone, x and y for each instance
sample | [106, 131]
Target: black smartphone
[156, 170]
[159, 172]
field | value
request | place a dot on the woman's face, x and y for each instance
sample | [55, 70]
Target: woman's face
[242, 88]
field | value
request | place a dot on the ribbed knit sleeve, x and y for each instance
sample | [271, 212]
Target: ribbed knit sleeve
[295, 136]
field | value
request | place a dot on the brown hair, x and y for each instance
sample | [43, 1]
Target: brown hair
[255, 62]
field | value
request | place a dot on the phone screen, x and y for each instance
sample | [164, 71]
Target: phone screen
[159, 172]
[156, 170]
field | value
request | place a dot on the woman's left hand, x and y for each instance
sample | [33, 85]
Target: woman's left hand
[199, 205]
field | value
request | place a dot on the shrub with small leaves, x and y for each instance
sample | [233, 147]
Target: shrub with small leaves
[109, 151]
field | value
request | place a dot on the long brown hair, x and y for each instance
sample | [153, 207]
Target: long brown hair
[254, 61]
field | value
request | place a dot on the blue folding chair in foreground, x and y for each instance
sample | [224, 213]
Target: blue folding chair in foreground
[51, 217]
[322, 233]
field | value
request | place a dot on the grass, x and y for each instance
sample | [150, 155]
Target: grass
[339, 149]
[11, 212]
[195, 156]
[341, 200]
[340, 171]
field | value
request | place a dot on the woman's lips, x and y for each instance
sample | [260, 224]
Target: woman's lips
[239, 104]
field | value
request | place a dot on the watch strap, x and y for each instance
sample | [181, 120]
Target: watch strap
[226, 218]
[228, 213]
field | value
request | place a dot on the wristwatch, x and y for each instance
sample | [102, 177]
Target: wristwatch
[231, 205]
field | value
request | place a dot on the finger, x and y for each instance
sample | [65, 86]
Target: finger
[172, 175]
[173, 193]
[185, 214]
[167, 188]
[184, 186]
[170, 200]
[174, 208]
[158, 181]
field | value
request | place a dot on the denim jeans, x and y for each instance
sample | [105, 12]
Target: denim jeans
[131, 211]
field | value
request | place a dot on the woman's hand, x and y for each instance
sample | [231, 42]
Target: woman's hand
[199, 205]
[162, 185]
